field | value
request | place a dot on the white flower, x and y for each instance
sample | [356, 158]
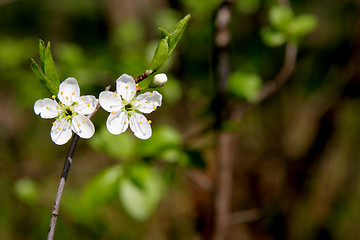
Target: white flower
[126, 108]
[69, 113]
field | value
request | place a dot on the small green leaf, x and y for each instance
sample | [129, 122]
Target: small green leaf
[175, 35]
[42, 54]
[140, 192]
[163, 138]
[110, 144]
[280, 17]
[26, 190]
[50, 69]
[43, 79]
[161, 55]
[244, 85]
[164, 33]
[302, 25]
[102, 188]
[272, 38]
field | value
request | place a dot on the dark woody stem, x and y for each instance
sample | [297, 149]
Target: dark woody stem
[144, 75]
[65, 171]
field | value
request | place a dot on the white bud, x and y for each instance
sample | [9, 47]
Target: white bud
[159, 80]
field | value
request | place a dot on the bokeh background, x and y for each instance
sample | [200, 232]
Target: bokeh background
[295, 155]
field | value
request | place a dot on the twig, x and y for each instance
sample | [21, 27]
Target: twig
[65, 171]
[143, 76]
[224, 172]
[60, 190]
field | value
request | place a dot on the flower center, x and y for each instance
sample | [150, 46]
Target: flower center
[68, 112]
[128, 107]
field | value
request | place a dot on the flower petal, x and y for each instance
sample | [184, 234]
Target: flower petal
[117, 123]
[47, 108]
[148, 102]
[126, 87]
[110, 101]
[60, 132]
[140, 126]
[86, 105]
[82, 126]
[69, 91]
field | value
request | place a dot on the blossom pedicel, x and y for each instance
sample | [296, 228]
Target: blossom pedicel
[70, 113]
[126, 108]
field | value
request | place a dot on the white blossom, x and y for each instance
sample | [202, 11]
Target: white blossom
[70, 113]
[126, 108]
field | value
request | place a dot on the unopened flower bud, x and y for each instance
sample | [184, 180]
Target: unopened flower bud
[159, 80]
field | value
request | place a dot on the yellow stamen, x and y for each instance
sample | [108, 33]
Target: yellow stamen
[137, 84]
[140, 123]
[78, 124]
[76, 103]
[67, 98]
[59, 129]
[61, 93]
[53, 96]
[123, 102]
[126, 87]
[71, 109]
[150, 94]
[112, 112]
[115, 95]
[73, 93]
[88, 104]
[47, 108]
[53, 123]
[154, 107]
[125, 122]
[149, 122]
[83, 121]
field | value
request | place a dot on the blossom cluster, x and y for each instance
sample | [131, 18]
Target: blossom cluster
[72, 111]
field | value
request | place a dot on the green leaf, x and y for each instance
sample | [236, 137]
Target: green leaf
[43, 79]
[175, 35]
[49, 68]
[121, 146]
[26, 190]
[42, 54]
[244, 85]
[102, 188]
[167, 43]
[163, 138]
[302, 25]
[140, 191]
[280, 17]
[272, 38]
[164, 33]
[161, 55]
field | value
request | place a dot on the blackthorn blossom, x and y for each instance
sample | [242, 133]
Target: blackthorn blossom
[70, 113]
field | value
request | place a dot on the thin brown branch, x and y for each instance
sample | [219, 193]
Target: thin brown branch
[143, 76]
[200, 180]
[65, 171]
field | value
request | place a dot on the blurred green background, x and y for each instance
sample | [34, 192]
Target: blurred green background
[297, 163]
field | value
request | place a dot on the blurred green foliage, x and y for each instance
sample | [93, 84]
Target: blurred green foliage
[297, 159]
